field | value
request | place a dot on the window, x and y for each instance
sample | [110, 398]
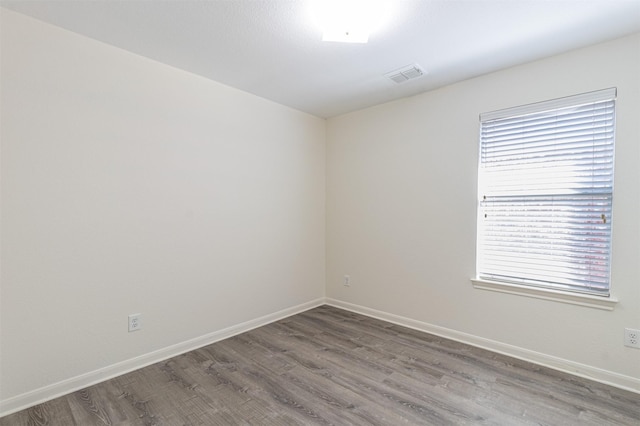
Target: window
[545, 186]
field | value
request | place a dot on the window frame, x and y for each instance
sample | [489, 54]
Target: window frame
[552, 291]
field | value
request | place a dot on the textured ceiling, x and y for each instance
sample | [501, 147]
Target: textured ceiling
[273, 48]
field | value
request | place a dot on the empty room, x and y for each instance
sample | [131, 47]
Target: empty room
[299, 212]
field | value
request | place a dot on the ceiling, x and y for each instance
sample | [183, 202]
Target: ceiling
[274, 49]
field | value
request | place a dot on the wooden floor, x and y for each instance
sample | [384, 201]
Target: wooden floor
[329, 366]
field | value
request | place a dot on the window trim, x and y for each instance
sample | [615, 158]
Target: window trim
[567, 101]
[572, 298]
[598, 301]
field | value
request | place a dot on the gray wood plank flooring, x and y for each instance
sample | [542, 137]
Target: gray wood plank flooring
[328, 366]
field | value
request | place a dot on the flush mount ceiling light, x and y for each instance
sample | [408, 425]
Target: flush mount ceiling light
[349, 21]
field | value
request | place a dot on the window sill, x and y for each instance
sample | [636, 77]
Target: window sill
[596, 302]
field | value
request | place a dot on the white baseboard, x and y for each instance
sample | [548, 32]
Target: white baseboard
[64, 387]
[599, 375]
[73, 384]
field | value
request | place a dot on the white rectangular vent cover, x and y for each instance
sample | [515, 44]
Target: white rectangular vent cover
[405, 73]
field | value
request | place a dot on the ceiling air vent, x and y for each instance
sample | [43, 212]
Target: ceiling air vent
[405, 73]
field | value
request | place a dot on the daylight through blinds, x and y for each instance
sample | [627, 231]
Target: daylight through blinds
[545, 188]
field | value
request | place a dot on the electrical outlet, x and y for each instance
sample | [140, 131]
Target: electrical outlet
[347, 281]
[632, 338]
[135, 322]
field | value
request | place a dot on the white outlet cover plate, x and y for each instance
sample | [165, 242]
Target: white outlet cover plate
[632, 338]
[135, 322]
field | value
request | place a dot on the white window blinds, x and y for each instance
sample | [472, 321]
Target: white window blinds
[545, 189]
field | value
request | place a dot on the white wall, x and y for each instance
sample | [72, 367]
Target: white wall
[401, 216]
[130, 186]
